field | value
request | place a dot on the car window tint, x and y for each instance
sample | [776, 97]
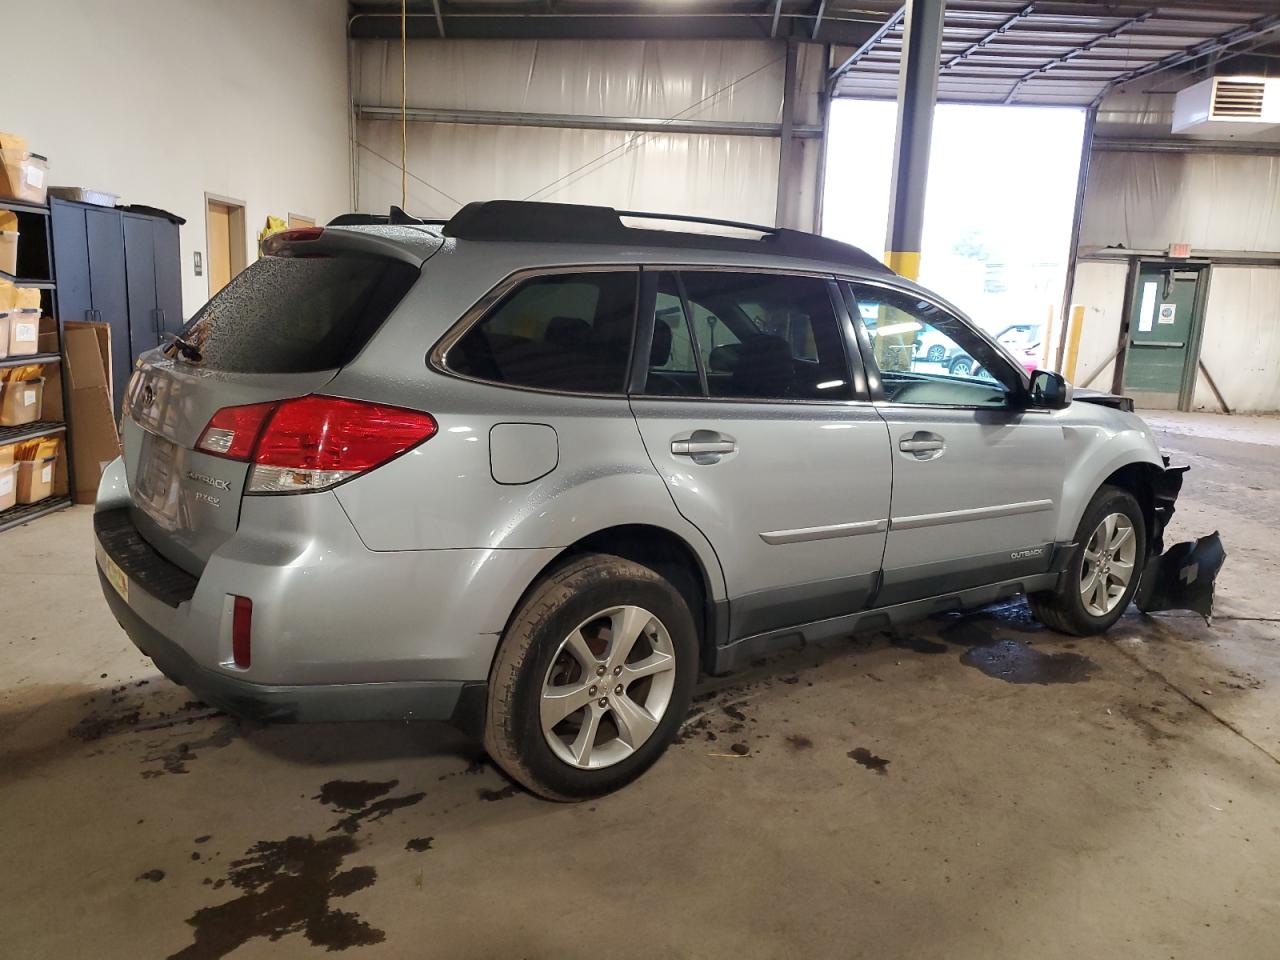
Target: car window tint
[673, 361]
[569, 332]
[767, 336]
[928, 356]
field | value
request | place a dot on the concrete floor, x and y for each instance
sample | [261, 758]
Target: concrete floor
[896, 800]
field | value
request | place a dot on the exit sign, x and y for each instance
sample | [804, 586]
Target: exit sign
[1180, 250]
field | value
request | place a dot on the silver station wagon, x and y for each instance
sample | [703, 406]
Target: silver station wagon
[534, 469]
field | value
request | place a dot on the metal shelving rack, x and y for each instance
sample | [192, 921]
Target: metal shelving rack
[33, 221]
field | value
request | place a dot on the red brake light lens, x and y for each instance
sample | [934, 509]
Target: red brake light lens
[314, 442]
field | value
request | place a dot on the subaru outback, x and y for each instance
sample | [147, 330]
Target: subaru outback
[534, 469]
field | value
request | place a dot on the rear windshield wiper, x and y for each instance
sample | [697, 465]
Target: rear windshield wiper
[186, 348]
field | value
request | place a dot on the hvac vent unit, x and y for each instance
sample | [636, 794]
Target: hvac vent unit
[1227, 107]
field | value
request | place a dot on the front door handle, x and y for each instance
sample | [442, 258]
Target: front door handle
[922, 445]
[704, 446]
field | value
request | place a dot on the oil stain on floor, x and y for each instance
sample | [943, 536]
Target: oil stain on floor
[866, 758]
[365, 801]
[286, 887]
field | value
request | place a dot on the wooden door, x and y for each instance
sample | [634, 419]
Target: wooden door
[224, 224]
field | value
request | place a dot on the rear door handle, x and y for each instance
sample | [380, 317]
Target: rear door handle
[689, 448]
[704, 446]
[923, 445]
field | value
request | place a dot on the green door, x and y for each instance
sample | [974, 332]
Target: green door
[1160, 335]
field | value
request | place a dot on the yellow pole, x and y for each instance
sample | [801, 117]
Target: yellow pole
[903, 263]
[1073, 343]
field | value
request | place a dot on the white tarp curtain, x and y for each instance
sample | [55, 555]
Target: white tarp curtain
[1147, 201]
[1241, 342]
[1099, 288]
[701, 174]
[615, 78]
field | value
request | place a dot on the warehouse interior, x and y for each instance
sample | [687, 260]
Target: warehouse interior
[1096, 184]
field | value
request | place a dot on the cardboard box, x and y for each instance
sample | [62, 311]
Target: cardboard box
[9, 251]
[48, 340]
[21, 402]
[4, 335]
[6, 455]
[35, 479]
[8, 485]
[24, 332]
[23, 175]
[95, 441]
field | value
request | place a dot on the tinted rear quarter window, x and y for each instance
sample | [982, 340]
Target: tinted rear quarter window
[298, 314]
[566, 332]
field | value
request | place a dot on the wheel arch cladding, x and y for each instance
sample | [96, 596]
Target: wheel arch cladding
[661, 550]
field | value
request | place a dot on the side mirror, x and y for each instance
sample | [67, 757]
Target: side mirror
[1049, 389]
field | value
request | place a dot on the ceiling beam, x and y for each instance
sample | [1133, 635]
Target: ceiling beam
[847, 28]
[817, 21]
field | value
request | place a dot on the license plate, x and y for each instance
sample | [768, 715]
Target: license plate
[115, 576]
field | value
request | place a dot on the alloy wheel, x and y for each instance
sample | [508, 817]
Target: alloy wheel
[1107, 564]
[608, 687]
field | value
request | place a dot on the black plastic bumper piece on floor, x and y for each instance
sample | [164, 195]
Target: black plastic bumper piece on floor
[139, 560]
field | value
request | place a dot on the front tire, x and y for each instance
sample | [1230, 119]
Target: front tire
[592, 679]
[1103, 577]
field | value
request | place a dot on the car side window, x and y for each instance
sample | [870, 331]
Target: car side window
[765, 336]
[568, 332]
[928, 356]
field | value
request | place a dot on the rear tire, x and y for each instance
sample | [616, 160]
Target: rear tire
[1089, 598]
[555, 720]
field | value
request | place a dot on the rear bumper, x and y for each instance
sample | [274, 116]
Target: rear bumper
[452, 700]
[340, 632]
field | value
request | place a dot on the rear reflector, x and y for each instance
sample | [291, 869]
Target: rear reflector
[241, 630]
[312, 443]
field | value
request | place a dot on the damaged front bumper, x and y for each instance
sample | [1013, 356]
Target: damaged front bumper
[1182, 577]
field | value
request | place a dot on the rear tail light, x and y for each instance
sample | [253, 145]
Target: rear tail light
[313, 443]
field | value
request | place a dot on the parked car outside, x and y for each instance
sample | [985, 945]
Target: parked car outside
[532, 471]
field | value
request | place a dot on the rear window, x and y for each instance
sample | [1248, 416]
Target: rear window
[568, 332]
[298, 314]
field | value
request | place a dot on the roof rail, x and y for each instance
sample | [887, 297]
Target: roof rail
[396, 217]
[533, 221]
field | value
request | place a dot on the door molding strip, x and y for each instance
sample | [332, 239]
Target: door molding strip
[804, 534]
[975, 513]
